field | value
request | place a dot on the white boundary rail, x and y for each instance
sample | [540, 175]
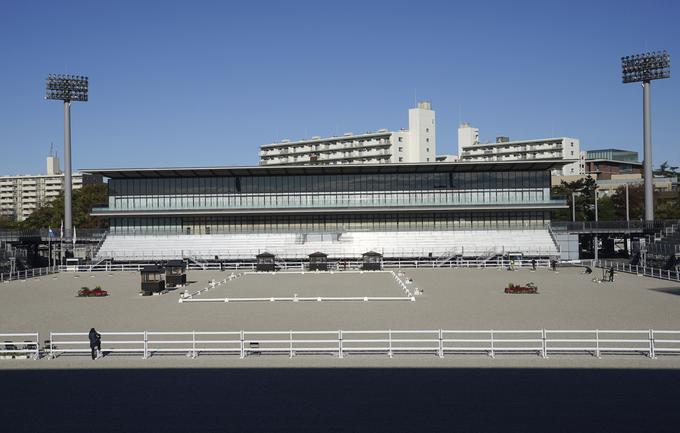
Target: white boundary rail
[439, 342]
[646, 271]
[28, 273]
[27, 344]
[189, 297]
[335, 265]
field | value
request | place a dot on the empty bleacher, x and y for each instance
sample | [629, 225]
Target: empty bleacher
[392, 244]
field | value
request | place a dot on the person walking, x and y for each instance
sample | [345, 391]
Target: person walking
[611, 274]
[533, 264]
[95, 343]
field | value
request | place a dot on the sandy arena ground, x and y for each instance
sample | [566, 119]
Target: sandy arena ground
[453, 299]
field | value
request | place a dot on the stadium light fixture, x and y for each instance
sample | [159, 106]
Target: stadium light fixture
[67, 88]
[645, 68]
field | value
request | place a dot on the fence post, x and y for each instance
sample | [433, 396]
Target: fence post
[652, 349]
[37, 346]
[51, 346]
[441, 344]
[389, 342]
[493, 354]
[146, 346]
[544, 351]
[290, 342]
[243, 354]
[597, 343]
[340, 343]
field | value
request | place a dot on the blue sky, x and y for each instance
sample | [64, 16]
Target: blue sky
[205, 83]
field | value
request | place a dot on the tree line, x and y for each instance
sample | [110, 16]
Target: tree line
[52, 214]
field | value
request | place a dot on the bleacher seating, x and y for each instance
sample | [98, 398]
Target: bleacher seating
[434, 244]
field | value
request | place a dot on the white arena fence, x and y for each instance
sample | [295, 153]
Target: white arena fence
[28, 273]
[440, 342]
[20, 345]
[664, 274]
[339, 265]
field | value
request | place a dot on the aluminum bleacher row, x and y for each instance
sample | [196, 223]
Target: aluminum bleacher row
[435, 244]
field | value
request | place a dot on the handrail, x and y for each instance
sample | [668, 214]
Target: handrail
[439, 342]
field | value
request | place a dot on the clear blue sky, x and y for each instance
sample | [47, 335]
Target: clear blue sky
[204, 83]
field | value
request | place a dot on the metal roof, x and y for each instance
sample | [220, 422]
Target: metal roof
[472, 166]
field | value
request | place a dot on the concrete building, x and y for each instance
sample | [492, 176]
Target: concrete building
[503, 149]
[21, 195]
[605, 163]
[415, 144]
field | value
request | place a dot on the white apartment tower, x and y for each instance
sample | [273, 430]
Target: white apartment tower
[21, 195]
[415, 144]
[470, 149]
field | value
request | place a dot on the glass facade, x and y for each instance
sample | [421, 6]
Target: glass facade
[333, 223]
[330, 191]
[418, 197]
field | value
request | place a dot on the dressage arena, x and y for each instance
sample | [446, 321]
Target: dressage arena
[454, 304]
[347, 286]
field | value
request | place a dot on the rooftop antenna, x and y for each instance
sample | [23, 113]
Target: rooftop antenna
[51, 148]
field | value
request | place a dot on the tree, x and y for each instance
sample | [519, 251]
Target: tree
[585, 196]
[84, 199]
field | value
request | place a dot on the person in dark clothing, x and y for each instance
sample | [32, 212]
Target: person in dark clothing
[95, 342]
[533, 264]
[587, 270]
[611, 274]
[553, 265]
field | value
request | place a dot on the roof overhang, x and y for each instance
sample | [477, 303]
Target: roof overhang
[173, 172]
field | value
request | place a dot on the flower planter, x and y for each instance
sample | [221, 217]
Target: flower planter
[530, 288]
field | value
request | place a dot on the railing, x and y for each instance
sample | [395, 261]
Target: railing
[300, 265]
[25, 344]
[439, 342]
[29, 273]
[298, 254]
[647, 271]
[608, 226]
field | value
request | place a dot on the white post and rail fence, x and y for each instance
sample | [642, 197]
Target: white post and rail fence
[340, 343]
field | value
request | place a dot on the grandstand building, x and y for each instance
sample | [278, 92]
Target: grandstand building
[436, 210]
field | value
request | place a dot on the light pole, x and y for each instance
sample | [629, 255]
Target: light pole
[645, 68]
[67, 88]
[573, 206]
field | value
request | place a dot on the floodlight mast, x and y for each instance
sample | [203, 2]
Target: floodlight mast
[67, 88]
[645, 68]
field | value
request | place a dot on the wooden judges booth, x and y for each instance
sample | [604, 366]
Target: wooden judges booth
[175, 273]
[152, 280]
[265, 262]
[372, 261]
[318, 261]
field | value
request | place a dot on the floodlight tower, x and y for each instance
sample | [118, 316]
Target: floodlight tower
[645, 68]
[67, 88]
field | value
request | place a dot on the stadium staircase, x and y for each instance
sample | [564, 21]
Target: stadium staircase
[436, 245]
[663, 247]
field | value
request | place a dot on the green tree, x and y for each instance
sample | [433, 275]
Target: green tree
[84, 200]
[585, 196]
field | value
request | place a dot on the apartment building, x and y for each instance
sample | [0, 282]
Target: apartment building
[415, 144]
[503, 149]
[21, 195]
